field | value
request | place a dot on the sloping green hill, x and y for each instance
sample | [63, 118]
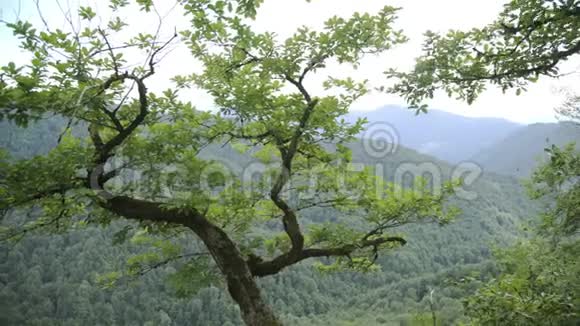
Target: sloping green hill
[523, 150]
[50, 280]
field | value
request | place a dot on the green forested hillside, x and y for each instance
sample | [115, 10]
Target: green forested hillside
[523, 150]
[52, 279]
[269, 206]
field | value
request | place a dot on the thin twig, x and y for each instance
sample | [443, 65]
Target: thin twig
[111, 53]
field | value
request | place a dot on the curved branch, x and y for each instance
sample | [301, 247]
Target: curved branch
[290, 220]
[143, 210]
[152, 62]
[264, 268]
[553, 60]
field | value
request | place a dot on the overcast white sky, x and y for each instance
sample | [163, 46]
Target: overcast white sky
[283, 17]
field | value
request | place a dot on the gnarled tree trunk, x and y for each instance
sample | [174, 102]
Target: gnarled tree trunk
[241, 284]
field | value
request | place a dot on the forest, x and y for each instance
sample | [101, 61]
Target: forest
[125, 201]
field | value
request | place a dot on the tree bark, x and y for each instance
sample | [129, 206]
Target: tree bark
[240, 283]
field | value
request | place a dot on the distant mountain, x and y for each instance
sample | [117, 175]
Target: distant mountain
[447, 136]
[523, 149]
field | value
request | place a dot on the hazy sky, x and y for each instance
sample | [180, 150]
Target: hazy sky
[283, 17]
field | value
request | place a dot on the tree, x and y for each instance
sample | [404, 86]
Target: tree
[558, 181]
[265, 108]
[529, 39]
[570, 109]
[539, 280]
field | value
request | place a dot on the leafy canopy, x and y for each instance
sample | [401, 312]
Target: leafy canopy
[140, 154]
[530, 38]
[538, 284]
[539, 280]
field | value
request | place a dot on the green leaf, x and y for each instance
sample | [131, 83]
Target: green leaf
[87, 13]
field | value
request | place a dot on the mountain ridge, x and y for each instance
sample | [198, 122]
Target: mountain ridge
[522, 151]
[445, 135]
